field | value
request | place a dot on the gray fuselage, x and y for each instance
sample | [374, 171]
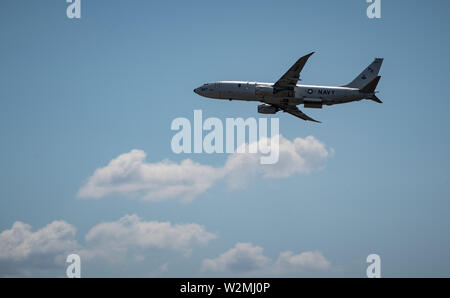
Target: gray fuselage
[312, 96]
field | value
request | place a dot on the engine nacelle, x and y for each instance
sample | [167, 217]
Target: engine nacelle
[315, 103]
[267, 109]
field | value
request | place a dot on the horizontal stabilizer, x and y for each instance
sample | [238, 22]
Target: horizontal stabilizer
[375, 98]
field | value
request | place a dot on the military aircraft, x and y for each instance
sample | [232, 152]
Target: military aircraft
[285, 94]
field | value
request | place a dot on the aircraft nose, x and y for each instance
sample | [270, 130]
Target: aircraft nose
[196, 90]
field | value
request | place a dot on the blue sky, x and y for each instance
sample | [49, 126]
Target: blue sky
[76, 94]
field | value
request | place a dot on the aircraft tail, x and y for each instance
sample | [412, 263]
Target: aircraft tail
[376, 99]
[371, 86]
[370, 89]
[368, 75]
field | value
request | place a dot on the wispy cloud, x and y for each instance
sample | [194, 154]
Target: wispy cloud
[27, 253]
[246, 258]
[131, 236]
[23, 251]
[308, 261]
[131, 175]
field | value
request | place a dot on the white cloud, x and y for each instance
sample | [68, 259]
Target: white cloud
[247, 258]
[27, 253]
[131, 236]
[304, 262]
[131, 239]
[301, 156]
[22, 250]
[244, 257]
[130, 175]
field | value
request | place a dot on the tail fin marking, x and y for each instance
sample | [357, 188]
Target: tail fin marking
[368, 75]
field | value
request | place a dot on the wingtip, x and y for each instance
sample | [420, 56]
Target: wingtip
[312, 120]
[308, 55]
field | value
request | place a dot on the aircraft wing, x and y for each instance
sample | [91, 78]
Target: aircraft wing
[290, 78]
[293, 110]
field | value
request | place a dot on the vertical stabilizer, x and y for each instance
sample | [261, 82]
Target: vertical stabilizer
[367, 76]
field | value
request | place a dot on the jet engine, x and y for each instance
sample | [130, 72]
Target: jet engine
[267, 109]
[315, 103]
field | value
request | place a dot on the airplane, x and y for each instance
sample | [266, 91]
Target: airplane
[285, 94]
